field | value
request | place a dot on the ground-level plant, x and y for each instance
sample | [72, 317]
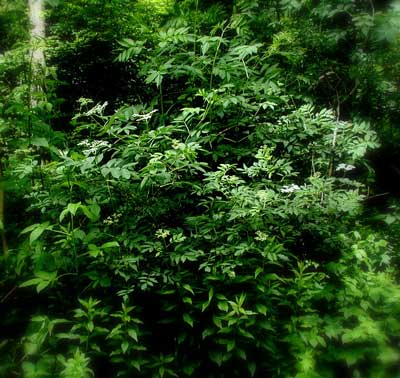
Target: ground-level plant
[212, 231]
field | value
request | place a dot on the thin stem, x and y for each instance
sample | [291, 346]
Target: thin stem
[2, 217]
[8, 294]
[195, 26]
[161, 104]
[372, 8]
[216, 54]
[245, 69]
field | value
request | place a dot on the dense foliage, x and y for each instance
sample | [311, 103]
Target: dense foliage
[186, 196]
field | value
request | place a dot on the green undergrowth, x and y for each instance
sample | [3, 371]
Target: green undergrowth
[214, 229]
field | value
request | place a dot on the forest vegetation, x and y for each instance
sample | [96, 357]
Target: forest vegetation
[197, 188]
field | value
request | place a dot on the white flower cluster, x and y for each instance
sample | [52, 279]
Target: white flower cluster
[143, 117]
[261, 236]
[91, 147]
[98, 109]
[290, 188]
[345, 167]
[112, 219]
[162, 233]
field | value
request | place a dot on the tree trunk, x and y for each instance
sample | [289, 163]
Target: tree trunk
[36, 17]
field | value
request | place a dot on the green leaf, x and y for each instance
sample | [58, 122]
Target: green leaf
[390, 219]
[230, 345]
[78, 234]
[90, 326]
[217, 357]
[112, 244]
[246, 333]
[217, 321]
[73, 208]
[29, 368]
[29, 228]
[38, 231]
[188, 288]
[31, 282]
[347, 338]
[188, 319]
[125, 174]
[136, 364]
[133, 334]
[241, 353]
[210, 296]
[94, 251]
[204, 306]
[124, 346]
[116, 331]
[40, 142]
[91, 211]
[252, 368]
[207, 332]
[187, 300]
[35, 234]
[42, 280]
[258, 271]
[53, 3]
[42, 285]
[261, 309]
[223, 306]
[63, 214]
[67, 336]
